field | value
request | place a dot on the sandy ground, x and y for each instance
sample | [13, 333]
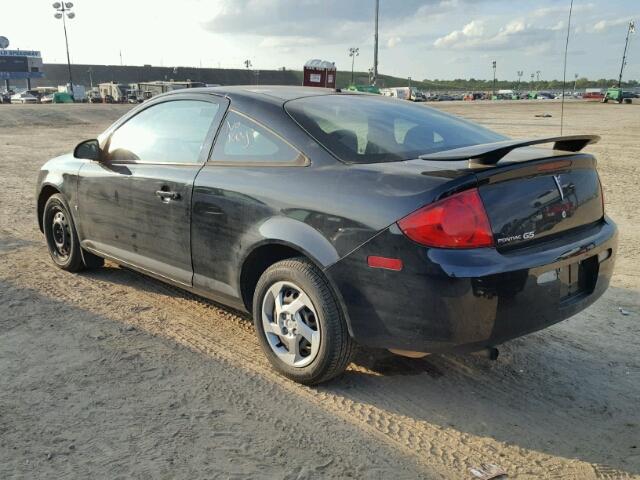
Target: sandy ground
[110, 374]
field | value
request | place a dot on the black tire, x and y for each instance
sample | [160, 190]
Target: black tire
[62, 237]
[336, 347]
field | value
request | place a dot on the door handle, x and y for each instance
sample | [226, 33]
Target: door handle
[167, 195]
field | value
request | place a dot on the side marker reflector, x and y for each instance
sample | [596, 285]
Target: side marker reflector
[394, 264]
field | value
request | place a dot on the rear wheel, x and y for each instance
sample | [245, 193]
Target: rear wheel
[62, 238]
[299, 323]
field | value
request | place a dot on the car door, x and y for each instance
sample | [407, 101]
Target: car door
[135, 204]
[247, 157]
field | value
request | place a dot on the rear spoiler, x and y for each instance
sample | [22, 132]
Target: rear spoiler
[492, 153]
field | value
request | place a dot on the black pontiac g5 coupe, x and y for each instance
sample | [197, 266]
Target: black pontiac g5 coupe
[337, 219]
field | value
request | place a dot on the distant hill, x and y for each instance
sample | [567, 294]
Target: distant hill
[57, 74]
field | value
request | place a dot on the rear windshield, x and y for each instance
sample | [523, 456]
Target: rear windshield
[370, 129]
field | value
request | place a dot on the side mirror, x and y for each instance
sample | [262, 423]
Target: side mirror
[88, 150]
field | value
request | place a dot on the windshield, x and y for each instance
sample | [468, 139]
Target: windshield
[370, 129]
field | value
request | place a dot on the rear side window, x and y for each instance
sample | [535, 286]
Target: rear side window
[241, 141]
[169, 132]
[368, 128]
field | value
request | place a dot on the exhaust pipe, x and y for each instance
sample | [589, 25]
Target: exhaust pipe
[490, 353]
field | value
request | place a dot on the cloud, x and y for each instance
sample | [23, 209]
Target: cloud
[315, 17]
[475, 35]
[561, 10]
[471, 31]
[604, 25]
[330, 22]
[393, 41]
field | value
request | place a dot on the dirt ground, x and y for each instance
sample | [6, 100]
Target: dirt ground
[110, 374]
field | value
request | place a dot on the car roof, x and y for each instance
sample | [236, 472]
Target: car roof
[268, 93]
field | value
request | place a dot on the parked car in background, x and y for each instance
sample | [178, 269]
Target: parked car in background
[593, 94]
[23, 97]
[474, 96]
[5, 97]
[337, 219]
[47, 98]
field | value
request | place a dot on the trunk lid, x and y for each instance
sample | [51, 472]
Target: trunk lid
[530, 201]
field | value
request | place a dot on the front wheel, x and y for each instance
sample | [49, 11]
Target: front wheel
[62, 238]
[299, 323]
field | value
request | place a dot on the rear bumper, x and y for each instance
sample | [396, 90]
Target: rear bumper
[464, 300]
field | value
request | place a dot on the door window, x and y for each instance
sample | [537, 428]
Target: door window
[242, 140]
[169, 132]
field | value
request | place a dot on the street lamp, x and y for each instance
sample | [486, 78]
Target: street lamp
[63, 11]
[494, 77]
[353, 53]
[520, 73]
[537, 79]
[575, 80]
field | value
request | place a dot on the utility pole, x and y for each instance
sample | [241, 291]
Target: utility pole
[537, 79]
[90, 72]
[575, 81]
[631, 29]
[353, 53]
[63, 11]
[375, 47]
[494, 78]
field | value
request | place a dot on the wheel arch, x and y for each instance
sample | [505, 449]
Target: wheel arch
[265, 254]
[261, 257]
[46, 192]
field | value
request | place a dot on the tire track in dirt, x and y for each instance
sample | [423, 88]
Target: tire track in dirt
[207, 328]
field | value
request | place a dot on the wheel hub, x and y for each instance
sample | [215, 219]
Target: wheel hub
[290, 325]
[61, 234]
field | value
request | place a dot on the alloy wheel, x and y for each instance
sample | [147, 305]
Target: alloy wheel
[290, 324]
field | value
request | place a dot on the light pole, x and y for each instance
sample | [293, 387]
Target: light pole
[248, 65]
[353, 53]
[63, 11]
[575, 80]
[520, 73]
[537, 79]
[90, 72]
[494, 78]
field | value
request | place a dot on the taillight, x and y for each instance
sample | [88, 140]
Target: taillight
[459, 221]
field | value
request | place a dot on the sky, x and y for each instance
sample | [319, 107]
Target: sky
[432, 39]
